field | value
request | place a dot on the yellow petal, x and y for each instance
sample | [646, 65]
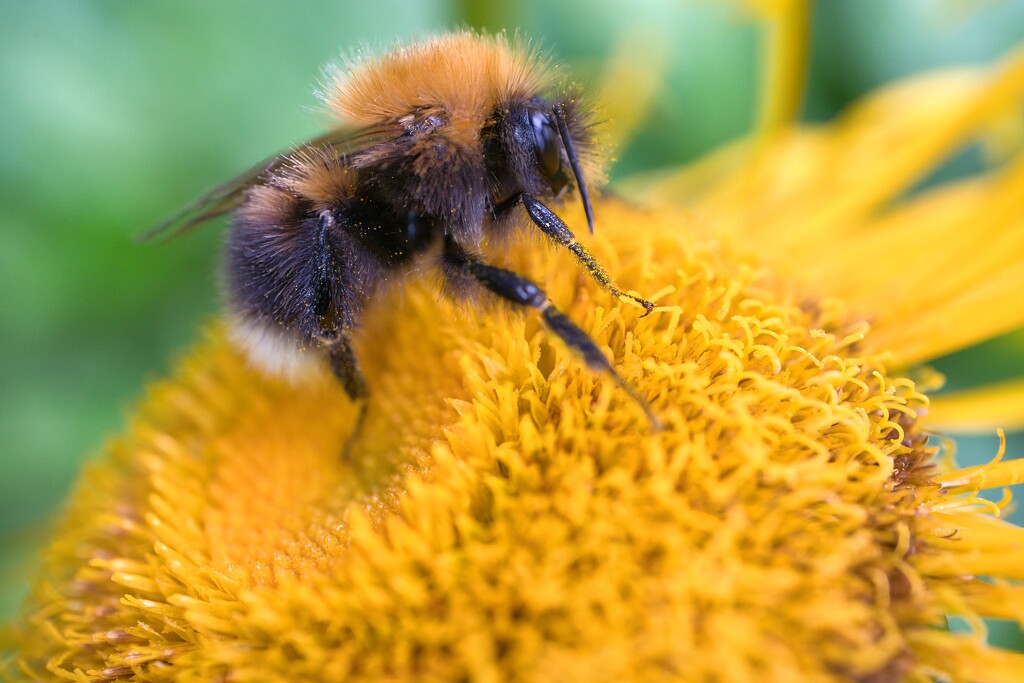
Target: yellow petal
[968, 659]
[633, 77]
[823, 203]
[980, 410]
[786, 38]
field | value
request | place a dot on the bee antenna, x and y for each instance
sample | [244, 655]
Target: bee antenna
[563, 131]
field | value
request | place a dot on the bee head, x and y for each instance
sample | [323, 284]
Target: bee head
[549, 129]
[548, 147]
[538, 146]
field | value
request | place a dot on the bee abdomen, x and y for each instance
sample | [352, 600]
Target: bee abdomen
[284, 266]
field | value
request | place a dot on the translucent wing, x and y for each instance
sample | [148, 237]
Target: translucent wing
[228, 196]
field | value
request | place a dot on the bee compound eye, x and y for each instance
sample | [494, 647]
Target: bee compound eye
[545, 142]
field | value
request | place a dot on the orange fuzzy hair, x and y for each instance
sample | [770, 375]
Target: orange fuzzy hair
[464, 72]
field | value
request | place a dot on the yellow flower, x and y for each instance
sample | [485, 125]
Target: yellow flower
[508, 515]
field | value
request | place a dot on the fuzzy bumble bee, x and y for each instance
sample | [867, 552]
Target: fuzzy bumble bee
[438, 145]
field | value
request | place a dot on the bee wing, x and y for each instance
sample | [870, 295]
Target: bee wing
[228, 196]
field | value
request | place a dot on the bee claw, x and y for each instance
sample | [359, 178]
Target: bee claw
[648, 306]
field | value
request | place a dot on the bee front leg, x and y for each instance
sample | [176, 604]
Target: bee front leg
[346, 369]
[555, 228]
[519, 290]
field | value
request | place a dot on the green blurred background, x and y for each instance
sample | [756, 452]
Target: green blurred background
[116, 113]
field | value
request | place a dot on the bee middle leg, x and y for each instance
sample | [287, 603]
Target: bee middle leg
[331, 328]
[518, 290]
[555, 228]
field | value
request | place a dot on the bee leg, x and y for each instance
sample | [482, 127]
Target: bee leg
[346, 369]
[555, 228]
[520, 291]
[320, 318]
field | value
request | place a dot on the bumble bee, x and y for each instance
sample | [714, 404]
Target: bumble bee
[438, 145]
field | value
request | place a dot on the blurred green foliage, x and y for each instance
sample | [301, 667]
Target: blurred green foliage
[115, 113]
